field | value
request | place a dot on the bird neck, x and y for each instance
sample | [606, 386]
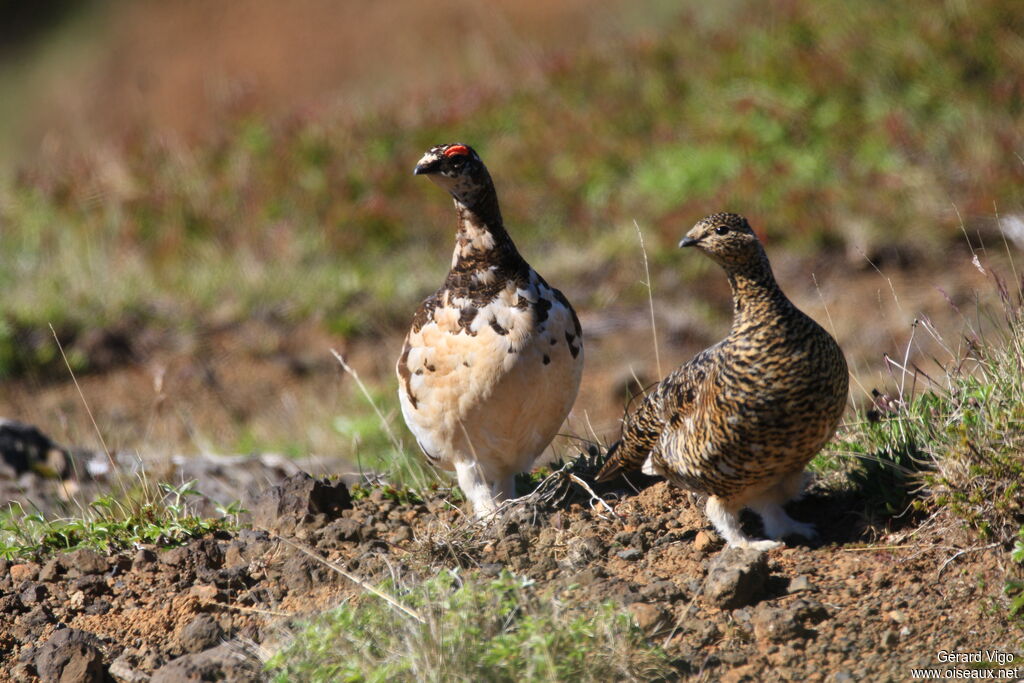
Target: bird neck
[755, 294]
[481, 242]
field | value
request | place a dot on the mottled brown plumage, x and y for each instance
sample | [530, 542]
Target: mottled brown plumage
[492, 363]
[741, 420]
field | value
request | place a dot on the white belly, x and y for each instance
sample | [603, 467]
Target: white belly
[490, 397]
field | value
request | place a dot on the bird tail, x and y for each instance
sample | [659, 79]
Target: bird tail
[613, 465]
[640, 435]
[623, 456]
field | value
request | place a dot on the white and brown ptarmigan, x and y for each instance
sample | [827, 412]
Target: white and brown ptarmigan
[492, 364]
[740, 421]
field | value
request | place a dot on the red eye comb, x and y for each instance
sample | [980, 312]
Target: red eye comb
[456, 150]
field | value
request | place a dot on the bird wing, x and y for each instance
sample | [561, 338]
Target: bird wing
[665, 407]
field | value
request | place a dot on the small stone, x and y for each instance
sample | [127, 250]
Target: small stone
[799, 584]
[234, 556]
[83, 562]
[775, 624]
[26, 571]
[99, 607]
[175, 557]
[649, 618]
[33, 594]
[742, 616]
[91, 585]
[38, 617]
[842, 677]
[225, 662]
[402, 534]
[736, 577]
[144, 557]
[301, 501]
[76, 600]
[10, 604]
[200, 634]
[897, 616]
[704, 542]
[22, 672]
[629, 554]
[206, 592]
[51, 571]
[889, 638]
[123, 671]
[71, 655]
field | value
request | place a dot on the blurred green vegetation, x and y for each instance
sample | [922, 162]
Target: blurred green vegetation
[453, 627]
[957, 444]
[832, 125]
[160, 515]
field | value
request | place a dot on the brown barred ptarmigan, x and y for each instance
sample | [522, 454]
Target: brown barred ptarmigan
[492, 364]
[741, 420]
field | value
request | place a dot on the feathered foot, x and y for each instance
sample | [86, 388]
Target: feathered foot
[726, 521]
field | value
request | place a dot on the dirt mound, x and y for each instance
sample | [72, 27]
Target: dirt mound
[845, 610]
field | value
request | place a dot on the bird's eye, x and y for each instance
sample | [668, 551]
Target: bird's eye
[722, 230]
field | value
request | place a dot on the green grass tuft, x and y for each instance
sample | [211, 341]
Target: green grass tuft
[109, 524]
[958, 444]
[1014, 587]
[469, 630]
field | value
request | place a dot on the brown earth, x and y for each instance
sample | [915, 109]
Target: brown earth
[865, 603]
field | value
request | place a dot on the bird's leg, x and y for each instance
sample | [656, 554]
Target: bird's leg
[475, 486]
[777, 524]
[726, 520]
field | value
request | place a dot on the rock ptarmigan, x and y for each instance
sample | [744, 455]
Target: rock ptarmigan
[740, 421]
[492, 364]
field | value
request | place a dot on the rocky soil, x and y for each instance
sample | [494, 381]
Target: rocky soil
[861, 604]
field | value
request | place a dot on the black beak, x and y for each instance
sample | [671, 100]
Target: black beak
[687, 242]
[426, 167]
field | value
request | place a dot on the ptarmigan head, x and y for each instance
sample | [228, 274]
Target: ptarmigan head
[727, 238]
[457, 168]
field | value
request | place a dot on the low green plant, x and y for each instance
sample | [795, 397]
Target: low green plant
[402, 495]
[1014, 587]
[451, 628]
[232, 512]
[959, 443]
[110, 523]
[889, 459]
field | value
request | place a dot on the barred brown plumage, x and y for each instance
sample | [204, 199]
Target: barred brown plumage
[741, 420]
[492, 364]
